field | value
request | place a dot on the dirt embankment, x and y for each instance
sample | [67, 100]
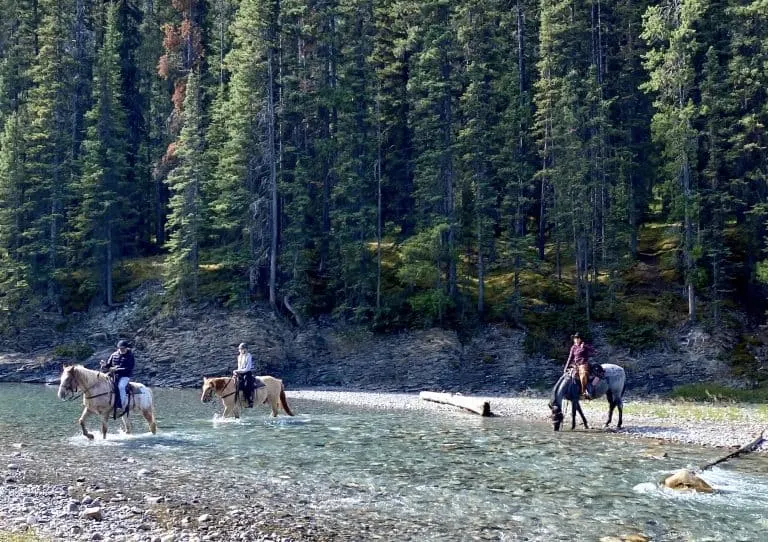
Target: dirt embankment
[177, 349]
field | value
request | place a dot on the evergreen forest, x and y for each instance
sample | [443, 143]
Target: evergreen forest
[395, 163]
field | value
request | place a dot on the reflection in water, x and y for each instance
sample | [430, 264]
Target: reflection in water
[399, 475]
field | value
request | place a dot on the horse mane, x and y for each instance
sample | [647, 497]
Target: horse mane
[89, 376]
[219, 382]
[553, 397]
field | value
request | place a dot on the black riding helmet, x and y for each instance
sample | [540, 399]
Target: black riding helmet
[122, 343]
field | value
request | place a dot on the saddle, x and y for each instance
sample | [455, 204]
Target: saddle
[247, 384]
[130, 390]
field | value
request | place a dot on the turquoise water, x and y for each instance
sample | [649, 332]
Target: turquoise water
[393, 475]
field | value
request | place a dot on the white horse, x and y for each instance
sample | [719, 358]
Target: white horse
[99, 397]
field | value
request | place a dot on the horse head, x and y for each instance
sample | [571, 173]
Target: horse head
[67, 382]
[557, 415]
[208, 389]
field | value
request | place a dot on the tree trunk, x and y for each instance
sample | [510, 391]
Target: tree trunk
[272, 182]
[472, 404]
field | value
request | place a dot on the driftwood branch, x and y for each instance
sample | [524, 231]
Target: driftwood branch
[478, 406]
[751, 447]
[287, 303]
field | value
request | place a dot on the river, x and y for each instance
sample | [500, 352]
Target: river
[392, 474]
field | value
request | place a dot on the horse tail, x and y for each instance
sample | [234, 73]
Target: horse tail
[284, 401]
[146, 404]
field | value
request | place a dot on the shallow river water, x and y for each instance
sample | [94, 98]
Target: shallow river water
[393, 475]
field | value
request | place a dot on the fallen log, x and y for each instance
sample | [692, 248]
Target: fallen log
[472, 404]
[751, 447]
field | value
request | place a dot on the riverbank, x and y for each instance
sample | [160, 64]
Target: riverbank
[85, 510]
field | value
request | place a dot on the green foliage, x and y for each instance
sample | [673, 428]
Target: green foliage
[744, 362]
[73, 351]
[713, 392]
[549, 333]
[641, 321]
[420, 162]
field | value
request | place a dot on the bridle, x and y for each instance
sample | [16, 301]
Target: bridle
[73, 389]
[208, 394]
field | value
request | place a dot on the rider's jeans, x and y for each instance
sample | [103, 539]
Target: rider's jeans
[121, 384]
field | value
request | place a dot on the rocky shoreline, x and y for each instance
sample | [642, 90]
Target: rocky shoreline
[84, 511]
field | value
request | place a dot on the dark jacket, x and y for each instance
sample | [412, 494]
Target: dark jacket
[123, 362]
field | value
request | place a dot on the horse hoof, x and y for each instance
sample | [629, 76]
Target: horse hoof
[89, 436]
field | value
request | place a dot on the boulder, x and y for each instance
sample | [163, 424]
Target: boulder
[686, 480]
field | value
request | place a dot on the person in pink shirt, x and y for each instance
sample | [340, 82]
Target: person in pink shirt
[578, 358]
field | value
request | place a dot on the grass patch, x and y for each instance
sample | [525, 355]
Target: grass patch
[130, 274]
[698, 412]
[743, 360]
[26, 536]
[75, 351]
[642, 319]
[710, 392]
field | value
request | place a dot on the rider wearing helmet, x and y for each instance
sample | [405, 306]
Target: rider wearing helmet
[121, 364]
[244, 372]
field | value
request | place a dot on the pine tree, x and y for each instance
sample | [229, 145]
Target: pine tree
[748, 155]
[15, 293]
[244, 186]
[476, 25]
[186, 206]
[104, 188]
[50, 146]
[353, 211]
[433, 87]
[670, 30]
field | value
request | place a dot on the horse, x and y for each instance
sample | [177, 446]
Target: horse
[272, 391]
[98, 397]
[612, 385]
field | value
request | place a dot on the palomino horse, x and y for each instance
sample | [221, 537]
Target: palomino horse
[272, 391]
[612, 385]
[98, 397]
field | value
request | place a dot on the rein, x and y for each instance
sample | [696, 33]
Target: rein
[231, 378]
[85, 391]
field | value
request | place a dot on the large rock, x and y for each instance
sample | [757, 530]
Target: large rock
[686, 480]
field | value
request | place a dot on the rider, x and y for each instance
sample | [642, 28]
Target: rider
[120, 364]
[245, 371]
[579, 359]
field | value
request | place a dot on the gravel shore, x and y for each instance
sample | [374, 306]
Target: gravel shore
[82, 512]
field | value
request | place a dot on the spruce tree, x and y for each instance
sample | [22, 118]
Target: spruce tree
[670, 30]
[104, 189]
[185, 205]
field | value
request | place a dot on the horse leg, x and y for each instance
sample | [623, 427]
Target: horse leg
[577, 407]
[574, 406]
[620, 404]
[104, 426]
[273, 404]
[149, 415]
[82, 419]
[611, 406]
[127, 425]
